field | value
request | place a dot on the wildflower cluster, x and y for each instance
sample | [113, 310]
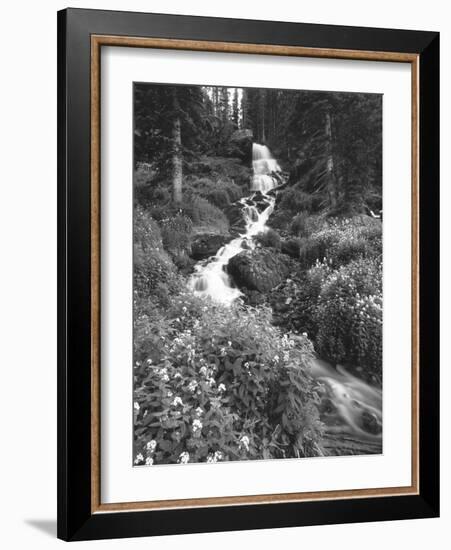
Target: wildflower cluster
[224, 385]
[340, 241]
[338, 299]
[352, 295]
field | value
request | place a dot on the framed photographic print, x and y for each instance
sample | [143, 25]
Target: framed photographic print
[248, 274]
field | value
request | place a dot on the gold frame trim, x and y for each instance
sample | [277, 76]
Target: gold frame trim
[97, 41]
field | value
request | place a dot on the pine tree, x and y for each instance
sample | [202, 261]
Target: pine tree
[236, 108]
[224, 104]
[177, 166]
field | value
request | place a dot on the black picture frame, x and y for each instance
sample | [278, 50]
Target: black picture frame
[76, 521]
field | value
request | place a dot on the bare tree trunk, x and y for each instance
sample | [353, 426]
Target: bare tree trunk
[331, 177]
[216, 100]
[177, 166]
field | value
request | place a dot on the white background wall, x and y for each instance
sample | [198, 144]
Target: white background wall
[28, 271]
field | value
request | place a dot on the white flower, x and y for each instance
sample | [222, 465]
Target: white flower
[276, 358]
[177, 401]
[214, 457]
[203, 371]
[149, 361]
[163, 373]
[170, 394]
[199, 411]
[230, 343]
[136, 406]
[184, 458]
[177, 375]
[192, 386]
[211, 382]
[244, 442]
[149, 461]
[151, 445]
[197, 425]
[221, 388]
[139, 458]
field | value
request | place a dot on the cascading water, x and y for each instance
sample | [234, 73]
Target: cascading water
[210, 278]
[349, 405]
[264, 167]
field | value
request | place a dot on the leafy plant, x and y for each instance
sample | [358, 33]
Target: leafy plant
[153, 268]
[205, 215]
[269, 239]
[225, 385]
[349, 316]
[176, 232]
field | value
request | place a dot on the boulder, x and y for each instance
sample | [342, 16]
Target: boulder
[206, 245]
[370, 423]
[235, 216]
[259, 201]
[261, 269]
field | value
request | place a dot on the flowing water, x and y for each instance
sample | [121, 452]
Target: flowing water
[210, 277]
[350, 407]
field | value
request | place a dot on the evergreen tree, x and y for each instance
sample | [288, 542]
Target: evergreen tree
[236, 108]
[169, 129]
[224, 104]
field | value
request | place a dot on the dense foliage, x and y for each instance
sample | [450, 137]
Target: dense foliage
[337, 297]
[215, 383]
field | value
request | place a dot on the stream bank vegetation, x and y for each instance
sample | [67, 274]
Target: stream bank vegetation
[257, 274]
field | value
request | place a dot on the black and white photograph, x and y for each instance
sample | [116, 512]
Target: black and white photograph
[257, 274]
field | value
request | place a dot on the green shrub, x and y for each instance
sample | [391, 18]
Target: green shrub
[291, 247]
[295, 200]
[176, 232]
[349, 316]
[147, 191]
[152, 267]
[225, 386]
[281, 219]
[299, 314]
[298, 225]
[216, 167]
[340, 241]
[218, 197]
[146, 231]
[269, 239]
[316, 247]
[350, 249]
[221, 191]
[205, 215]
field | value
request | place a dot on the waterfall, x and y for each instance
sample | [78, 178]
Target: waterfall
[263, 166]
[210, 277]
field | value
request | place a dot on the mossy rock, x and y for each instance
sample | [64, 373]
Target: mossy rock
[261, 269]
